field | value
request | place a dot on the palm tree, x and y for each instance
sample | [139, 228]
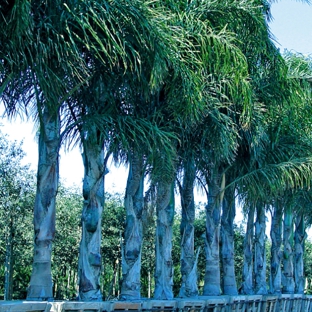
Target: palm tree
[288, 279]
[164, 265]
[239, 14]
[302, 220]
[120, 115]
[218, 77]
[229, 285]
[260, 254]
[247, 287]
[32, 72]
[276, 246]
[131, 252]
[188, 265]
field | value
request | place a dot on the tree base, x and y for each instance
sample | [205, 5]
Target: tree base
[92, 295]
[39, 293]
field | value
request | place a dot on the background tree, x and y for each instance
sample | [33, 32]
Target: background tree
[17, 193]
[66, 244]
[112, 232]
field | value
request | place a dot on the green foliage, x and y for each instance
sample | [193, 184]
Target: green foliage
[148, 258]
[307, 258]
[17, 193]
[176, 251]
[239, 234]
[66, 243]
[113, 221]
[199, 232]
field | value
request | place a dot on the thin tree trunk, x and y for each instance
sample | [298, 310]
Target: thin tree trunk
[188, 266]
[227, 244]
[248, 284]
[260, 254]
[40, 287]
[299, 250]
[247, 287]
[212, 286]
[276, 252]
[149, 284]
[288, 265]
[164, 266]
[132, 249]
[89, 265]
[9, 265]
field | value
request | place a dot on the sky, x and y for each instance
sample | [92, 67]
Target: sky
[292, 30]
[292, 25]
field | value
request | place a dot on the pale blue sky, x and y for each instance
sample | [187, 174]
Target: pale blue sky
[292, 25]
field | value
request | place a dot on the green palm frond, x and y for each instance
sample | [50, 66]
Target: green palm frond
[273, 179]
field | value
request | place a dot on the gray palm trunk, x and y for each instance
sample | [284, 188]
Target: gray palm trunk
[260, 254]
[188, 264]
[229, 285]
[212, 284]
[89, 264]
[248, 284]
[132, 249]
[40, 287]
[276, 251]
[288, 282]
[164, 264]
[299, 251]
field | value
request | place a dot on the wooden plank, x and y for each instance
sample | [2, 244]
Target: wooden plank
[23, 306]
[192, 305]
[159, 305]
[125, 306]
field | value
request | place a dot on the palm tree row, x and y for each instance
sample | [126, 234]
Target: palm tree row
[181, 91]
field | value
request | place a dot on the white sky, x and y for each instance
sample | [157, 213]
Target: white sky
[71, 168]
[292, 25]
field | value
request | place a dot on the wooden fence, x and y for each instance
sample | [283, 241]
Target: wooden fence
[257, 303]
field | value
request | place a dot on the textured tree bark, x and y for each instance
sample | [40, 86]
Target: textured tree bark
[288, 282]
[260, 254]
[229, 285]
[276, 252]
[164, 265]
[212, 286]
[300, 236]
[133, 239]
[40, 287]
[247, 287]
[188, 266]
[89, 264]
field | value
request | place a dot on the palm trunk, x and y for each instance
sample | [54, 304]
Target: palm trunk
[248, 285]
[276, 253]
[164, 265]
[227, 244]
[40, 287]
[260, 254]
[212, 286]
[89, 267]
[288, 266]
[188, 264]
[132, 249]
[299, 250]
